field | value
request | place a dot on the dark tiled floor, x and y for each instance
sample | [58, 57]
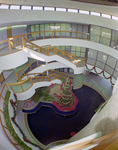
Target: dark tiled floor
[47, 126]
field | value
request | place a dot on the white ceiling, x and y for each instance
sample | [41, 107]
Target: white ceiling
[68, 4]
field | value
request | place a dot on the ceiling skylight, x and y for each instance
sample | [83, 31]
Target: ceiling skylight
[95, 13]
[49, 8]
[15, 7]
[2, 6]
[37, 8]
[73, 10]
[106, 15]
[83, 12]
[26, 7]
[61, 9]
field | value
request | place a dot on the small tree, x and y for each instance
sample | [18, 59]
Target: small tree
[66, 99]
[66, 95]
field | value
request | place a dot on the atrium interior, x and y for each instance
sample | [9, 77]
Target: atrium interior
[42, 42]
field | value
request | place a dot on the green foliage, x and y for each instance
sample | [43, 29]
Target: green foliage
[42, 92]
[9, 125]
[45, 92]
[37, 95]
[62, 79]
[48, 98]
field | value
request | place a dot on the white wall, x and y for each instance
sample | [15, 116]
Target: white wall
[30, 92]
[3, 34]
[43, 68]
[7, 73]
[18, 30]
[17, 17]
[78, 42]
[105, 121]
[13, 60]
[42, 57]
[18, 58]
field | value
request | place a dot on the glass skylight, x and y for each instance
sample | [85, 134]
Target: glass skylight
[106, 15]
[26, 7]
[114, 17]
[95, 13]
[2, 6]
[61, 9]
[73, 10]
[49, 8]
[83, 12]
[15, 7]
[37, 8]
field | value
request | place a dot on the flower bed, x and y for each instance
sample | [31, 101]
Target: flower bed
[28, 103]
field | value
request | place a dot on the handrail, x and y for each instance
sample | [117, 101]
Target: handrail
[37, 79]
[17, 39]
[55, 51]
[104, 142]
[100, 140]
[19, 77]
[22, 69]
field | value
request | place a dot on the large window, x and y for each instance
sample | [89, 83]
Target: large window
[97, 34]
[103, 61]
[80, 52]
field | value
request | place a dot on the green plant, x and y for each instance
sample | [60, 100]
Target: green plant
[37, 95]
[9, 125]
[62, 79]
[48, 98]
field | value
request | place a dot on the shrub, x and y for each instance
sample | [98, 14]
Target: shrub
[62, 79]
[9, 125]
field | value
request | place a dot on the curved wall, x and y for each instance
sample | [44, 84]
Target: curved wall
[13, 60]
[78, 42]
[30, 92]
[34, 16]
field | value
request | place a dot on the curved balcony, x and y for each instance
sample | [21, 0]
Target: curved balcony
[26, 88]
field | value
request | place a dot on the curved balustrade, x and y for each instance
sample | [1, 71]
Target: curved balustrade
[107, 142]
[16, 43]
[19, 42]
[27, 68]
[36, 77]
[54, 51]
[55, 74]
